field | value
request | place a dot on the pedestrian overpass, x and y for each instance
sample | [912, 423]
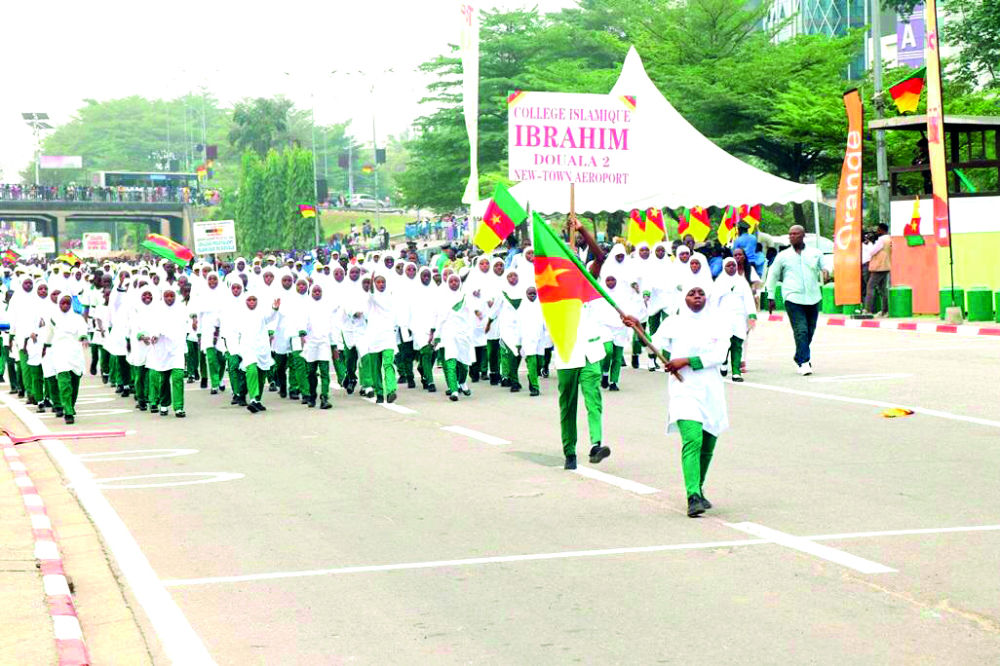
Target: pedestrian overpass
[171, 219]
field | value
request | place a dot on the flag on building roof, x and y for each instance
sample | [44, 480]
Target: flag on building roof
[906, 94]
[727, 227]
[656, 229]
[10, 257]
[750, 215]
[307, 210]
[911, 232]
[502, 215]
[636, 227]
[564, 285]
[168, 249]
[694, 222]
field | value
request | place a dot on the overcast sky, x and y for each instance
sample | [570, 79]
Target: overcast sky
[57, 55]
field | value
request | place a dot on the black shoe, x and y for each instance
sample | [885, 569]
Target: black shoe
[142, 407]
[293, 395]
[20, 394]
[272, 388]
[599, 453]
[654, 367]
[164, 411]
[324, 404]
[284, 394]
[311, 402]
[705, 503]
[222, 386]
[69, 419]
[570, 462]
[32, 401]
[604, 382]
[545, 373]
[126, 392]
[453, 397]
[494, 380]
[261, 407]
[235, 400]
[737, 379]
[475, 380]
[93, 371]
[613, 387]
[635, 362]
[431, 388]
[242, 402]
[305, 400]
[252, 407]
[191, 380]
[104, 379]
[505, 382]
[695, 507]
[515, 387]
[411, 384]
[119, 390]
[47, 402]
[58, 413]
[41, 408]
[379, 399]
[391, 398]
[215, 391]
[204, 382]
[533, 392]
[180, 414]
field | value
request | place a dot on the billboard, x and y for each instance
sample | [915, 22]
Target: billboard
[60, 162]
[97, 245]
[43, 245]
[910, 38]
[217, 237]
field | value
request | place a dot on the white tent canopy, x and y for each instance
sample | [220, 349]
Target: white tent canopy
[675, 166]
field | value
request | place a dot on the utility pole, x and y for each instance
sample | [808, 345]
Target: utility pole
[350, 170]
[881, 163]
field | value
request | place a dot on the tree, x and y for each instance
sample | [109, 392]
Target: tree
[261, 124]
[250, 208]
[975, 30]
[299, 232]
[275, 194]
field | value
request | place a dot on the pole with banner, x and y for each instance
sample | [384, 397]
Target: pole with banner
[468, 45]
[935, 139]
[847, 228]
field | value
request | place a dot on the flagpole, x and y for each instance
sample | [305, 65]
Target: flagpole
[572, 216]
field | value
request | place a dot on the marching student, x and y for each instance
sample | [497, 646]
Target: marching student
[229, 315]
[494, 299]
[69, 339]
[317, 350]
[533, 337]
[423, 319]
[254, 347]
[696, 341]
[381, 334]
[454, 330]
[165, 362]
[615, 334]
[510, 331]
[143, 314]
[733, 299]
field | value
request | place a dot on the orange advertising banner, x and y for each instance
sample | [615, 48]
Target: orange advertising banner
[935, 128]
[847, 229]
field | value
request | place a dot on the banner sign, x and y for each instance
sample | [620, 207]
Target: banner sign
[935, 129]
[43, 245]
[468, 47]
[570, 137]
[910, 39]
[97, 245]
[847, 228]
[60, 162]
[218, 237]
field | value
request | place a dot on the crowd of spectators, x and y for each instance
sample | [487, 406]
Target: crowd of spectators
[113, 194]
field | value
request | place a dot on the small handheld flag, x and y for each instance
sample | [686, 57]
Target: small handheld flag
[168, 249]
[307, 210]
[10, 257]
[69, 258]
[502, 216]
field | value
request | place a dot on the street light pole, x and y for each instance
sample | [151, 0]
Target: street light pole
[312, 104]
[881, 162]
[375, 163]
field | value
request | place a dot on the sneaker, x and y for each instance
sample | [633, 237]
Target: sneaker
[705, 503]
[545, 373]
[324, 404]
[69, 419]
[252, 407]
[695, 507]
[411, 384]
[724, 369]
[391, 398]
[614, 387]
[604, 381]
[737, 378]
[164, 411]
[215, 391]
[533, 392]
[431, 388]
[453, 397]
[464, 390]
[379, 399]
[599, 453]
[570, 462]
[261, 407]
[180, 414]
[809, 365]
[141, 407]
[804, 369]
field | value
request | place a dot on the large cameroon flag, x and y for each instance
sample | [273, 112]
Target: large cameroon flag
[694, 222]
[656, 230]
[727, 227]
[563, 284]
[636, 227]
[168, 249]
[502, 214]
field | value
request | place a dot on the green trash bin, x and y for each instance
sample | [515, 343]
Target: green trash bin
[945, 300]
[779, 301]
[850, 309]
[980, 304]
[900, 301]
[828, 305]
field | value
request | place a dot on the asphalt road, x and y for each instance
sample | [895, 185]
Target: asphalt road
[367, 535]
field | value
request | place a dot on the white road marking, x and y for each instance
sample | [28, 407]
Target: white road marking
[213, 477]
[86, 412]
[631, 486]
[873, 403]
[181, 644]
[870, 350]
[553, 556]
[812, 548]
[475, 434]
[845, 379]
[146, 454]
[392, 407]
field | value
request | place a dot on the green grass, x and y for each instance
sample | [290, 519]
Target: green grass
[335, 222]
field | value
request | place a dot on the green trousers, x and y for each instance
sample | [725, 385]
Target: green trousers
[493, 357]
[32, 375]
[366, 371]
[13, 374]
[478, 367]
[588, 380]
[404, 361]
[696, 455]
[510, 363]
[140, 378]
[455, 374]
[69, 388]
[52, 390]
[614, 359]
[166, 389]
[340, 367]
[317, 372]
[280, 372]
[384, 372]
[351, 364]
[214, 364]
[534, 363]
[425, 365]
[735, 355]
[237, 378]
[105, 362]
[636, 343]
[191, 360]
[255, 382]
[297, 372]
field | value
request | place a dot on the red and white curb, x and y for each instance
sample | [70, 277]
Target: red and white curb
[890, 325]
[71, 649]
